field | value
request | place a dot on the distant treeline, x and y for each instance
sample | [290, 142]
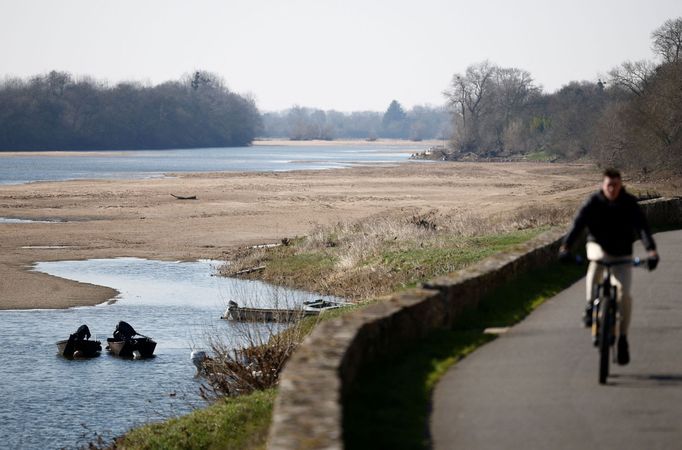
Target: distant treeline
[632, 119]
[56, 111]
[299, 123]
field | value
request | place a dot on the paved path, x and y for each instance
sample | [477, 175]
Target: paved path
[536, 387]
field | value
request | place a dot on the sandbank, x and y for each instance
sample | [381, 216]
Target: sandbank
[140, 218]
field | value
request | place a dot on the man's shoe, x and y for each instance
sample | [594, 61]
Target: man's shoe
[623, 351]
[587, 315]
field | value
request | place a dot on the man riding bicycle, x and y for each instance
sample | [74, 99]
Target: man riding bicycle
[613, 220]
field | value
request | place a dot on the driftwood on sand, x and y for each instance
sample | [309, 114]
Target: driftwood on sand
[181, 197]
[249, 270]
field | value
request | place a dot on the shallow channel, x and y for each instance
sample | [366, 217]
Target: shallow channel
[14, 220]
[50, 402]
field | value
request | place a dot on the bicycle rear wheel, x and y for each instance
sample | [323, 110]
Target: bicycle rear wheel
[604, 336]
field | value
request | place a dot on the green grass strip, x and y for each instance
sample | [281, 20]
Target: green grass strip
[233, 423]
[388, 407]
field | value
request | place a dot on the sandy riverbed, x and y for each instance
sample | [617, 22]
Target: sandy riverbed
[140, 218]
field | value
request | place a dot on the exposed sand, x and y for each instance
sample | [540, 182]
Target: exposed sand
[140, 218]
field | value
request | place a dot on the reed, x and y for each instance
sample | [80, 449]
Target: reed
[379, 255]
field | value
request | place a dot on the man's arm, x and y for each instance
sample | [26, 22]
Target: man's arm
[579, 224]
[644, 231]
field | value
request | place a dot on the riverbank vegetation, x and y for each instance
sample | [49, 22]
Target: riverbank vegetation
[232, 423]
[367, 259]
[631, 119]
[57, 111]
[360, 261]
[239, 385]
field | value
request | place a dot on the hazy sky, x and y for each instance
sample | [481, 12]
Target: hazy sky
[345, 55]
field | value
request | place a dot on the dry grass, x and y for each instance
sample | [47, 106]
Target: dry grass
[376, 256]
[251, 356]
[256, 366]
[357, 260]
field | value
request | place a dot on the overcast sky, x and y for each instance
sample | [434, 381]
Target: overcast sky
[345, 55]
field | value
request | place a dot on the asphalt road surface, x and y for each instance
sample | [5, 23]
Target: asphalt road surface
[536, 387]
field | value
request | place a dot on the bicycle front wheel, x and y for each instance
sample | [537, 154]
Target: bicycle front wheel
[604, 335]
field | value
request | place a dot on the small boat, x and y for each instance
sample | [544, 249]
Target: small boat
[136, 348]
[128, 343]
[319, 305]
[79, 349]
[79, 345]
[248, 314]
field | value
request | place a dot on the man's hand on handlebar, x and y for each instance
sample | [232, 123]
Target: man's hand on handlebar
[564, 255]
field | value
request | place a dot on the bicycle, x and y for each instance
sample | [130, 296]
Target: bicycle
[606, 315]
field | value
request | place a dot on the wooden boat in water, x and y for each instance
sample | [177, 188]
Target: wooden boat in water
[248, 314]
[71, 348]
[79, 345]
[136, 348]
[128, 343]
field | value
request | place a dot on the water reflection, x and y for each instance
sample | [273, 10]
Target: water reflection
[51, 402]
[135, 164]
[15, 220]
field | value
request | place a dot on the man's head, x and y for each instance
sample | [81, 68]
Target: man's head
[612, 184]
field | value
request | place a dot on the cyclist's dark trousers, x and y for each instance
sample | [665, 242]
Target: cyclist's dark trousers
[621, 277]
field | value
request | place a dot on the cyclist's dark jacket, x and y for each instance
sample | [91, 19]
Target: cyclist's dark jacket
[613, 225]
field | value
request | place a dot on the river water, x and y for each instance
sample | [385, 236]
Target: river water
[49, 402]
[156, 163]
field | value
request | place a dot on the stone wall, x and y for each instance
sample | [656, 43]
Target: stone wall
[308, 411]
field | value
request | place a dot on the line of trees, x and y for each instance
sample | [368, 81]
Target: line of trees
[299, 123]
[633, 119]
[57, 111]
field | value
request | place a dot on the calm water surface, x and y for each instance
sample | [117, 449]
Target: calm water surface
[49, 402]
[156, 163]
[13, 220]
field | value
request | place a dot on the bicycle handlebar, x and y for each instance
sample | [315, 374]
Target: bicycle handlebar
[634, 261]
[648, 263]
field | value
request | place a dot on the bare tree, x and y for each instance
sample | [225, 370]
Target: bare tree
[467, 95]
[633, 76]
[486, 101]
[515, 87]
[574, 111]
[667, 40]
[644, 131]
[512, 90]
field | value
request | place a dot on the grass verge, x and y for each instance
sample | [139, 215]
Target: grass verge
[232, 423]
[373, 262]
[389, 405]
